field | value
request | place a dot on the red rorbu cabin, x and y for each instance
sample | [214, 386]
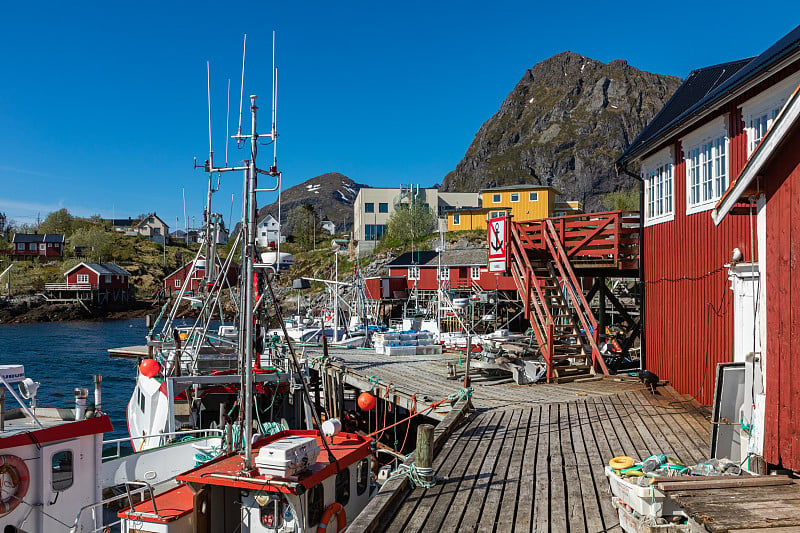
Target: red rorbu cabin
[719, 166]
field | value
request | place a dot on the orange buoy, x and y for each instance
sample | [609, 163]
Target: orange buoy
[334, 510]
[149, 368]
[366, 401]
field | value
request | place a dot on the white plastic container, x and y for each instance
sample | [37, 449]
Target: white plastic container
[648, 501]
[288, 456]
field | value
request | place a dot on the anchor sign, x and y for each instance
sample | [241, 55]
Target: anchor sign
[497, 244]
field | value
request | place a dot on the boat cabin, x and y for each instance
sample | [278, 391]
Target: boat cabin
[297, 487]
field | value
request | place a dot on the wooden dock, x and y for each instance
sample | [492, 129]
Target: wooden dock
[541, 467]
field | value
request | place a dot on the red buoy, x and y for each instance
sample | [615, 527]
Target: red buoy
[366, 401]
[149, 368]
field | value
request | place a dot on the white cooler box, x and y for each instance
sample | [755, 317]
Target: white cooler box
[287, 457]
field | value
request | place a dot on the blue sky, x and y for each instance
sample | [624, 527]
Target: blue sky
[103, 104]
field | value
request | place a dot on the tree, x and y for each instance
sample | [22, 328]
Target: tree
[304, 224]
[95, 239]
[410, 222]
[622, 200]
[57, 222]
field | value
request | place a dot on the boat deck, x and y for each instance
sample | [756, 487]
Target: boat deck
[541, 467]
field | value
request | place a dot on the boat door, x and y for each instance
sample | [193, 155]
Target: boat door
[68, 483]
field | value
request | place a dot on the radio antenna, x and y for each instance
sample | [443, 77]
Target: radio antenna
[227, 123]
[241, 91]
[208, 80]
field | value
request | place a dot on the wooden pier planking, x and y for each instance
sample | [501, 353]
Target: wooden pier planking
[540, 467]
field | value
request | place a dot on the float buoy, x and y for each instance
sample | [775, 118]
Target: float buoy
[366, 401]
[621, 462]
[334, 509]
[14, 468]
[149, 368]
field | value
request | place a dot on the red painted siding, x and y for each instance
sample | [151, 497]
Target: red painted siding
[459, 278]
[782, 428]
[73, 277]
[689, 313]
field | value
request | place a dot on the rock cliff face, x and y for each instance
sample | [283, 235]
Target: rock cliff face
[564, 124]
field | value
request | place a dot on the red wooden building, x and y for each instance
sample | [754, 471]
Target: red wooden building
[463, 269]
[101, 283]
[727, 142]
[28, 245]
[177, 279]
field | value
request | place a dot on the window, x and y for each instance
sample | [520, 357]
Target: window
[343, 487]
[658, 178]
[475, 273]
[369, 207]
[444, 273]
[761, 111]
[456, 219]
[21, 246]
[177, 284]
[83, 278]
[374, 232]
[495, 214]
[32, 246]
[61, 471]
[533, 196]
[107, 279]
[316, 504]
[42, 247]
[156, 231]
[496, 198]
[706, 166]
[271, 513]
[383, 207]
[362, 476]
[515, 197]
[413, 273]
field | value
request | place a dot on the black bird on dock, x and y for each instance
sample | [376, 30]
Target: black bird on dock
[649, 380]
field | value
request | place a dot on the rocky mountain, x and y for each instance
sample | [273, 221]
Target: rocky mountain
[564, 124]
[331, 194]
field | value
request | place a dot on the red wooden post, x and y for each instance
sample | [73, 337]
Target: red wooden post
[548, 356]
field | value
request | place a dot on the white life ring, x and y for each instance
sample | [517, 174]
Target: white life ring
[14, 468]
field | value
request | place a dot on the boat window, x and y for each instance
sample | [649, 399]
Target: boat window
[362, 476]
[343, 487]
[141, 400]
[316, 504]
[62, 470]
[271, 514]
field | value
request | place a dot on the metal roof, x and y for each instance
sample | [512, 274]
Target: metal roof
[103, 269]
[521, 186]
[452, 257]
[38, 237]
[704, 88]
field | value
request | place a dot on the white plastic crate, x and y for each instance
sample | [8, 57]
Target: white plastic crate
[287, 457]
[400, 350]
[431, 349]
[647, 500]
[631, 523]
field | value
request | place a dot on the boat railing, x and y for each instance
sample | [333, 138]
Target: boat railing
[97, 517]
[194, 433]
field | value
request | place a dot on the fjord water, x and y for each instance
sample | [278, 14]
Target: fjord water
[65, 355]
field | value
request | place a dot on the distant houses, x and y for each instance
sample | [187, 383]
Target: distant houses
[30, 245]
[153, 228]
[268, 232]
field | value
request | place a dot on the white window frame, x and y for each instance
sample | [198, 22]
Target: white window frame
[475, 272]
[413, 273]
[497, 198]
[760, 112]
[82, 279]
[658, 173]
[514, 194]
[177, 283]
[707, 158]
[456, 219]
[533, 196]
[497, 214]
[443, 273]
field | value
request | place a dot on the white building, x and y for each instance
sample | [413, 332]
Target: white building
[374, 206]
[329, 226]
[268, 231]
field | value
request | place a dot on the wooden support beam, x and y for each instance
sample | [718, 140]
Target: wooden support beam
[723, 482]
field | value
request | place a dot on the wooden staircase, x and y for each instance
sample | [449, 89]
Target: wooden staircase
[543, 255]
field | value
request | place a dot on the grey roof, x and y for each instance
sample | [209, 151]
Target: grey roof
[104, 269]
[452, 257]
[524, 186]
[706, 87]
[38, 237]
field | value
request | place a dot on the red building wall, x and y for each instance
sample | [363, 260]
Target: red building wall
[459, 278]
[782, 427]
[73, 277]
[689, 312]
[99, 280]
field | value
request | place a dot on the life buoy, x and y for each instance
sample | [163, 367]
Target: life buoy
[334, 509]
[15, 468]
[621, 462]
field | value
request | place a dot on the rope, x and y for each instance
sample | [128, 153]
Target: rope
[463, 393]
[417, 477]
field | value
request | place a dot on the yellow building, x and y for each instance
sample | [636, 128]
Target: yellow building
[522, 202]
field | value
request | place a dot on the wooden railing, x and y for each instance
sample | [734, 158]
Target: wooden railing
[608, 239]
[70, 286]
